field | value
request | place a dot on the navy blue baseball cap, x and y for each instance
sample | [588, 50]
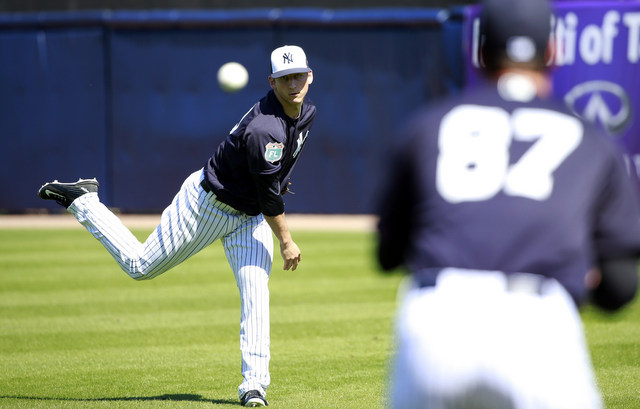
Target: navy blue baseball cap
[515, 32]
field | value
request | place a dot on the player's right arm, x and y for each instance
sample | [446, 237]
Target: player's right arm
[288, 248]
[265, 179]
[396, 214]
[272, 208]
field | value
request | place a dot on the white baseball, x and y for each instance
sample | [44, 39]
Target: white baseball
[232, 77]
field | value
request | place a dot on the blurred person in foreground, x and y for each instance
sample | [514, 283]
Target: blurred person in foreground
[509, 213]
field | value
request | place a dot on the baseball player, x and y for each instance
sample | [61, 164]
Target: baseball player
[509, 213]
[236, 197]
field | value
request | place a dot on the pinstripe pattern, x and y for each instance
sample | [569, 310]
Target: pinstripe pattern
[254, 241]
[193, 221]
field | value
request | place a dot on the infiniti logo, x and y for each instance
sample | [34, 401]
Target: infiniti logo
[601, 101]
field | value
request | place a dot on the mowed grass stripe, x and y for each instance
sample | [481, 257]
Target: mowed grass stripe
[77, 332]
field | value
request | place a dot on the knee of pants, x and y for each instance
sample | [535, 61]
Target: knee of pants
[138, 275]
[252, 280]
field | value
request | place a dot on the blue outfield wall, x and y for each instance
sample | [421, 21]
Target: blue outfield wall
[132, 99]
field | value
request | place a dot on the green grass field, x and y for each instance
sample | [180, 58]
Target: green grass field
[76, 332]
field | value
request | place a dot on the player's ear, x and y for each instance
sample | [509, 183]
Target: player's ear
[272, 82]
[310, 77]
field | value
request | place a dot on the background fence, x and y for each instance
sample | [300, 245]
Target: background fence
[131, 97]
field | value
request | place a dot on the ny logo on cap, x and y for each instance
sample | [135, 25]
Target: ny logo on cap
[287, 58]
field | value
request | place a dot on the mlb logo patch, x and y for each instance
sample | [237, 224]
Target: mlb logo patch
[273, 151]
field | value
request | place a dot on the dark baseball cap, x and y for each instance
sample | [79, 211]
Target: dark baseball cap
[515, 31]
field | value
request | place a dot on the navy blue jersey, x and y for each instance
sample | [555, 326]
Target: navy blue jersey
[479, 182]
[251, 168]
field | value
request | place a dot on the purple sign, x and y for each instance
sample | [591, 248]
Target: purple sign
[595, 64]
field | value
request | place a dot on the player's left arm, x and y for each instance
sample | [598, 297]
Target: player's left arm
[615, 282]
[617, 238]
[395, 212]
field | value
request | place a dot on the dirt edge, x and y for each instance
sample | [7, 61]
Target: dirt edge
[295, 221]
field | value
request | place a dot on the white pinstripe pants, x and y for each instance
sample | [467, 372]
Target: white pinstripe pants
[470, 341]
[193, 221]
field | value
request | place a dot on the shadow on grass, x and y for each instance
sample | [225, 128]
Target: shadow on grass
[178, 397]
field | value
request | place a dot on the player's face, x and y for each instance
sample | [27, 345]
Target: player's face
[291, 90]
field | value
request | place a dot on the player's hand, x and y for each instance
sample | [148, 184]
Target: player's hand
[291, 255]
[593, 278]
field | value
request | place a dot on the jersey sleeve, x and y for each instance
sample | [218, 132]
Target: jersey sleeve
[271, 202]
[264, 152]
[264, 148]
[396, 209]
[617, 224]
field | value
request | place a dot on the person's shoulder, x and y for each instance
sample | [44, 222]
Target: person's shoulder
[308, 105]
[265, 121]
[268, 106]
[429, 114]
[600, 140]
[420, 126]
[593, 138]
[308, 113]
[481, 94]
[590, 130]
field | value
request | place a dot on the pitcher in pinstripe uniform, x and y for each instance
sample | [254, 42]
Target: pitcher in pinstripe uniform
[236, 197]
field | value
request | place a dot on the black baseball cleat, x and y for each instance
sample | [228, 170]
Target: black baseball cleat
[253, 399]
[66, 193]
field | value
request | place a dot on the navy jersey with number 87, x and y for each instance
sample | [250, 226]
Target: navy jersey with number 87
[485, 183]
